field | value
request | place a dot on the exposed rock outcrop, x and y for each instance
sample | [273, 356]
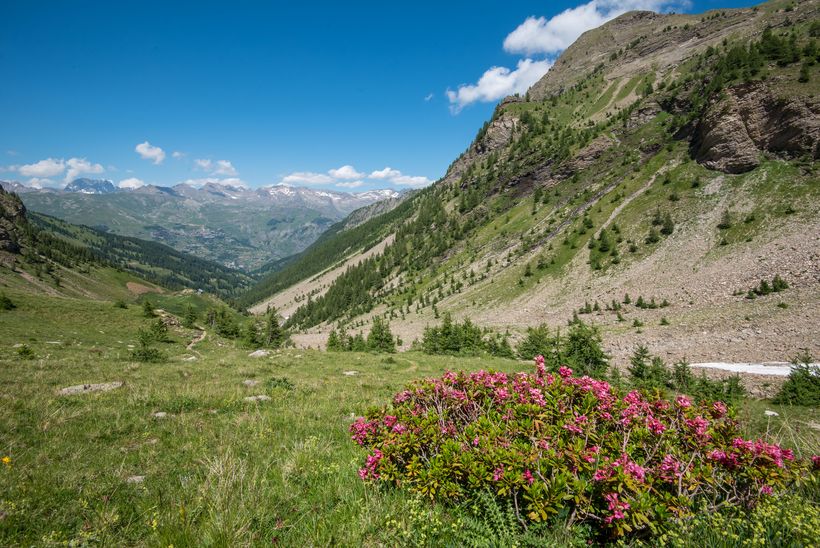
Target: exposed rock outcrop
[12, 214]
[750, 120]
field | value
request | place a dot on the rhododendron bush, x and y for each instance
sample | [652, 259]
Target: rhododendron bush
[569, 446]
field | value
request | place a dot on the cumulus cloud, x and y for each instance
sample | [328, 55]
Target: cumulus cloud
[386, 173]
[147, 151]
[39, 182]
[410, 180]
[227, 181]
[547, 37]
[224, 167]
[80, 166]
[347, 177]
[306, 178]
[131, 183]
[498, 82]
[177, 154]
[219, 167]
[44, 168]
[346, 172]
[552, 35]
[39, 172]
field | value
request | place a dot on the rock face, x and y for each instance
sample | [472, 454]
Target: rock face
[750, 120]
[12, 214]
[91, 186]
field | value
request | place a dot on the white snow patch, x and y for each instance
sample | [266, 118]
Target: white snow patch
[778, 369]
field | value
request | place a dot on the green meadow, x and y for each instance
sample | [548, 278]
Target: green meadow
[177, 455]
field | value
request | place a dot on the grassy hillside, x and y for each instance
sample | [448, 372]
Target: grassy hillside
[152, 261]
[617, 183]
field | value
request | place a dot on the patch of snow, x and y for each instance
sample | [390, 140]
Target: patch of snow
[778, 369]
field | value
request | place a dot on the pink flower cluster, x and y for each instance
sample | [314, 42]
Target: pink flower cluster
[370, 465]
[510, 433]
[615, 506]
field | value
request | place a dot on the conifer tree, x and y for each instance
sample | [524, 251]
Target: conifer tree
[190, 317]
[380, 339]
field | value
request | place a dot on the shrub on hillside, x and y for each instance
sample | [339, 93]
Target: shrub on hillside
[6, 303]
[802, 387]
[464, 338]
[580, 348]
[623, 464]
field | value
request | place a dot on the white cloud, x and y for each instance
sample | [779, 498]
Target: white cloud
[410, 181]
[307, 178]
[80, 166]
[44, 168]
[498, 82]
[347, 177]
[228, 181]
[149, 152]
[386, 173]
[224, 167]
[177, 154]
[553, 35]
[220, 167]
[546, 36]
[39, 182]
[131, 183]
[346, 172]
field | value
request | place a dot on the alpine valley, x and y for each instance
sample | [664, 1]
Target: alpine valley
[236, 226]
[599, 327]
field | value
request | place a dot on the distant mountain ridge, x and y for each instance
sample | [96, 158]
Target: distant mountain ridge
[91, 186]
[42, 250]
[239, 227]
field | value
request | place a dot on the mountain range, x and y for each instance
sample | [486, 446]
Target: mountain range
[238, 227]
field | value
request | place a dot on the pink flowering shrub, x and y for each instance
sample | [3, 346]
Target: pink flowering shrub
[623, 463]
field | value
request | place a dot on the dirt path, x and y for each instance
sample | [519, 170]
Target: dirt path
[198, 339]
[628, 200]
[45, 287]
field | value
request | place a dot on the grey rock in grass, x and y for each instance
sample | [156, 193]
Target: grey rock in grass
[189, 359]
[87, 388]
[350, 373]
[159, 415]
[259, 398]
[259, 354]
[250, 382]
[135, 479]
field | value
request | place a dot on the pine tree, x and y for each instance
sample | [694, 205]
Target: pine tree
[190, 317]
[274, 336]
[147, 309]
[668, 225]
[639, 364]
[725, 220]
[333, 342]
[380, 339]
[250, 336]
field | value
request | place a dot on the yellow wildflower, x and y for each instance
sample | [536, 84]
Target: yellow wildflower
[6, 460]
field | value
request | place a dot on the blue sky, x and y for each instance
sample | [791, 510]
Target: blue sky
[349, 96]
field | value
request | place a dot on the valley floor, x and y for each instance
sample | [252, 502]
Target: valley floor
[176, 455]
